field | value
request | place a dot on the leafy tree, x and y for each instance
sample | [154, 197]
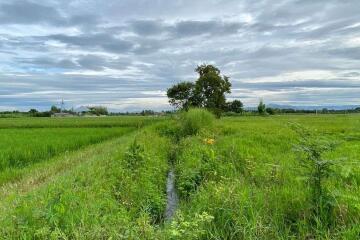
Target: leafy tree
[261, 107]
[235, 106]
[98, 110]
[270, 111]
[33, 112]
[55, 109]
[147, 112]
[181, 95]
[210, 88]
[208, 91]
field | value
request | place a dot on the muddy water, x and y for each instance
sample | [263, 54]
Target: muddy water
[172, 197]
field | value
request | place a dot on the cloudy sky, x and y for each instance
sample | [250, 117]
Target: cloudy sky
[124, 54]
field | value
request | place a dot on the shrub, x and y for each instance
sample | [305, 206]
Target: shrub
[316, 172]
[135, 155]
[196, 119]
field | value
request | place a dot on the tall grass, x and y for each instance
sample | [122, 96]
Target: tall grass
[194, 120]
[249, 182]
[79, 122]
[103, 198]
[20, 148]
[238, 179]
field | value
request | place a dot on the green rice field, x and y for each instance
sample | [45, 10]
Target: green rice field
[244, 177]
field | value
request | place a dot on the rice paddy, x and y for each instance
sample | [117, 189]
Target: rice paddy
[234, 177]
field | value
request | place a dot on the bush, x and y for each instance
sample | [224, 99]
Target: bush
[316, 172]
[196, 119]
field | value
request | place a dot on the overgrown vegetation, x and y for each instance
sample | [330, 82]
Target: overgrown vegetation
[238, 178]
[316, 172]
[195, 120]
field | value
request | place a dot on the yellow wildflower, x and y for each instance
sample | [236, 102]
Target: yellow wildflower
[209, 141]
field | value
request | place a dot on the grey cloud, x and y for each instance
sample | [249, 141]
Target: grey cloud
[25, 12]
[194, 28]
[47, 62]
[147, 27]
[98, 63]
[319, 84]
[184, 28]
[31, 12]
[100, 40]
[350, 52]
[119, 51]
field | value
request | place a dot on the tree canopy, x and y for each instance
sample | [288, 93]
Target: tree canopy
[235, 106]
[208, 90]
[181, 95]
[262, 107]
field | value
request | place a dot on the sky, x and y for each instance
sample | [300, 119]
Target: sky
[124, 54]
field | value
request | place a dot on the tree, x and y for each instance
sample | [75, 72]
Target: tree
[235, 106]
[208, 91]
[270, 111]
[55, 109]
[147, 112]
[33, 111]
[98, 110]
[181, 95]
[261, 107]
[210, 88]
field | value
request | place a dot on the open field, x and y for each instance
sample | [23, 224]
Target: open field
[27, 141]
[72, 122]
[235, 177]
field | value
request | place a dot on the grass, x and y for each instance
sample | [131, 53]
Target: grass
[98, 198]
[249, 180]
[238, 178]
[78, 122]
[20, 148]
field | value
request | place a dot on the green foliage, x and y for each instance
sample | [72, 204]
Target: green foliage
[236, 181]
[55, 109]
[135, 155]
[17, 152]
[210, 88]
[98, 110]
[100, 198]
[78, 122]
[188, 229]
[33, 111]
[235, 106]
[181, 95]
[262, 107]
[270, 111]
[194, 120]
[245, 180]
[316, 171]
[208, 91]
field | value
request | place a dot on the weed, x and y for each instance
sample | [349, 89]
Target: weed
[135, 156]
[316, 172]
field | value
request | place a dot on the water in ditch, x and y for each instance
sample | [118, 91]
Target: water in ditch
[172, 197]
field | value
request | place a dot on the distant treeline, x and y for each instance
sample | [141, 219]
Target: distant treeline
[147, 112]
[277, 111]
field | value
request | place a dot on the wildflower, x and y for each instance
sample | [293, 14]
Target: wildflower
[209, 141]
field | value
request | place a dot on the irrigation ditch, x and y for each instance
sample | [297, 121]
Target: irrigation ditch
[171, 196]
